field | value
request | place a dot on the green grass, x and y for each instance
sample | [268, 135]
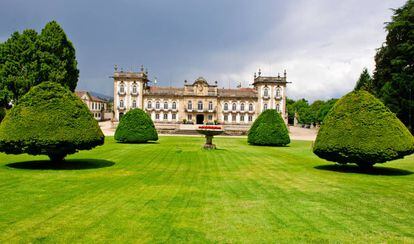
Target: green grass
[174, 191]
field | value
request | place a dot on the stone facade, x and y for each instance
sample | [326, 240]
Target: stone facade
[198, 102]
[96, 105]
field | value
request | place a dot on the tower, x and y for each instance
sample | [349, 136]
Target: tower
[129, 88]
[271, 92]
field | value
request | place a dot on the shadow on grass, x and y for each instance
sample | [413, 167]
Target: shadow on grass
[355, 169]
[138, 143]
[69, 164]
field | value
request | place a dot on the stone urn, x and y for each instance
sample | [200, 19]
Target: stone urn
[210, 131]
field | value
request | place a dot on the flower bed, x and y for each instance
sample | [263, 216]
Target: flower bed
[209, 127]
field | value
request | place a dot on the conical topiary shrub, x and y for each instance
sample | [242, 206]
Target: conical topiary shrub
[360, 129]
[269, 129]
[136, 127]
[49, 120]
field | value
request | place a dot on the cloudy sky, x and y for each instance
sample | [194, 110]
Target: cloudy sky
[323, 44]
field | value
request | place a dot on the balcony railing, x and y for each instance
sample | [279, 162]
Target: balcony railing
[121, 92]
[121, 108]
[278, 97]
[266, 97]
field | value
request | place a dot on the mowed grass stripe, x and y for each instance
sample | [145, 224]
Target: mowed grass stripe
[173, 191]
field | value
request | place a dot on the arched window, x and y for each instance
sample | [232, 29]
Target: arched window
[277, 92]
[121, 88]
[265, 106]
[134, 103]
[250, 107]
[210, 106]
[226, 107]
[174, 105]
[157, 105]
[266, 92]
[165, 105]
[121, 103]
[200, 105]
[242, 107]
[190, 105]
[134, 89]
[278, 107]
[149, 104]
[234, 106]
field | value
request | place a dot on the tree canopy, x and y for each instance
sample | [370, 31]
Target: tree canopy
[394, 73]
[364, 82]
[27, 59]
[49, 120]
[136, 127]
[361, 129]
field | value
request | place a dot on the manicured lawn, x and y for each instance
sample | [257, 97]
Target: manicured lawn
[174, 191]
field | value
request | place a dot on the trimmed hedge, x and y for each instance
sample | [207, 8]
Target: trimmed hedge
[360, 129]
[49, 120]
[269, 129]
[136, 127]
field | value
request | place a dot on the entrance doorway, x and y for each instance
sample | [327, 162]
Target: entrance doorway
[200, 119]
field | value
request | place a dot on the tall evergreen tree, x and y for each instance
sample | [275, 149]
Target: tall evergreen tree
[394, 74]
[28, 59]
[57, 56]
[364, 82]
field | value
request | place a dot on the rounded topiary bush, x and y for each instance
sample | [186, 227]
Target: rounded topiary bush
[269, 129]
[360, 129]
[136, 127]
[49, 120]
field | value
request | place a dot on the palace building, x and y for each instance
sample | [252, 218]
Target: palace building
[198, 102]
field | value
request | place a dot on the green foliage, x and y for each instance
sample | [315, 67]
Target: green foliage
[49, 120]
[394, 74]
[360, 129]
[27, 59]
[57, 56]
[136, 127]
[2, 113]
[324, 110]
[364, 82]
[269, 129]
[290, 110]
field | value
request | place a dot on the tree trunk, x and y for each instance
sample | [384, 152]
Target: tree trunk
[57, 157]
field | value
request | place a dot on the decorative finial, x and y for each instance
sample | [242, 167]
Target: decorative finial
[116, 67]
[146, 71]
[185, 81]
[215, 82]
[255, 75]
[122, 69]
[260, 72]
[278, 75]
[285, 73]
[155, 80]
[142, 68]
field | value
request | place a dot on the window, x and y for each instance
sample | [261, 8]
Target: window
[233, 118]
[266, 92]
[121, 103]
[250, 107]
[278, 92]
[99, 115]
[165, 116]
[157, 116]
[210, 117]
[165, 105]
[149, 104]
[226, 107]
[226, 118]
[242, 118]
[242, 107]
[278, 107]
[134, 89]
[189, 117]
[174, 105]
[190, 105]
[264, 106]
[121, 88]
[250, 118]
[174, 116]
[200, 105]
[134, 104]
[157, 105]
[210, 106]
[234, 106]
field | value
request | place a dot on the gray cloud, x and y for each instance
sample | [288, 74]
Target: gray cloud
[323, 44]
